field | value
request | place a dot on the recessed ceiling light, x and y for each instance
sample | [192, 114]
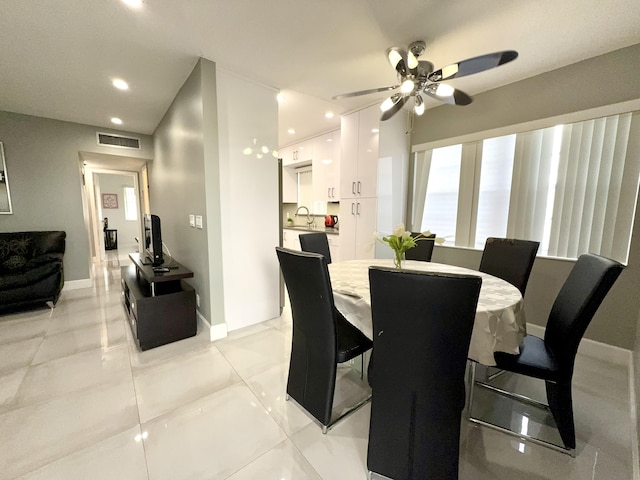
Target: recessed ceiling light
[329, 115]
[116, 120]
[374, 130]
[280, 97]
[291, 131]
[120, 84]
[133, 3]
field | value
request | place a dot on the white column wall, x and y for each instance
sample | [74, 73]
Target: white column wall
[249, 207]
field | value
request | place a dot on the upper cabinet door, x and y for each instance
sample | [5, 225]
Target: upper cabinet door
[326, 167]
[349, 154]
[368, 138]
[297, 155]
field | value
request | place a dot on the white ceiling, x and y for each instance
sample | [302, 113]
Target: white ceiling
[58, 57]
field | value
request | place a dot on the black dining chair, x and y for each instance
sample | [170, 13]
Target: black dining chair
[509, 259]
[422, 324]
[316, 243]
[322, 337]
[423, 249]
[552, 358]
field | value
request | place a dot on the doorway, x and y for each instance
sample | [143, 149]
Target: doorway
[115, 200]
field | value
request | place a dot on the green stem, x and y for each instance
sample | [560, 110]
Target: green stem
[397, 261]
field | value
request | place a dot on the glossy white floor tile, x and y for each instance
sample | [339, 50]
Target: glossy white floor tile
[165, 387]
[282, 462]
[78, 400]
[211, 437]
[117, 457]
[105, 336]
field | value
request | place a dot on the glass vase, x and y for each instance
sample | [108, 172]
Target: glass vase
[397, 259]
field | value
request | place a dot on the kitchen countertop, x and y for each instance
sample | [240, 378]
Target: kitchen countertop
[317, 228]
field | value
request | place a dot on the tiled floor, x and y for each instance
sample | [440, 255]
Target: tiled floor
[78, 401]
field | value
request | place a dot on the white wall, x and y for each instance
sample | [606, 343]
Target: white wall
[248, 200]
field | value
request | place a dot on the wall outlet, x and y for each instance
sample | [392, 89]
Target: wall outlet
[192, 221]
[197, 300]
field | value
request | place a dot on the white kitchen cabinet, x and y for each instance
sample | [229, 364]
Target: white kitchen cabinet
[334, 247]
[289, 185]
[298, 154]
[374, 161]
[359, 137]
[326, 168]
[357, 226]
[291, 239]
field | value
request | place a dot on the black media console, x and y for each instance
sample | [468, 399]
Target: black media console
[161, 306]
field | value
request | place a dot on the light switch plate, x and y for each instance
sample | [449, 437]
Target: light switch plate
[192, 220]
[199, 221]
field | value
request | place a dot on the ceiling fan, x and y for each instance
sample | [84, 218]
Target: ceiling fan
[416, 77]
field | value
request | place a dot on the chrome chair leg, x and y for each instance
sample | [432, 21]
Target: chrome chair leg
[522, 436]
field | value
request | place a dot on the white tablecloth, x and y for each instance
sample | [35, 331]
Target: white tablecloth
[499, 326]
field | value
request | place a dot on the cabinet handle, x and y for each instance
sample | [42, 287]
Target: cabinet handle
[333, 193]
[358, 188]
[358, 209]
[329, 192]
[352, 211]
[353, 187]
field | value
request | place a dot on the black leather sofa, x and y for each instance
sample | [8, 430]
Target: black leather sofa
[31, 269]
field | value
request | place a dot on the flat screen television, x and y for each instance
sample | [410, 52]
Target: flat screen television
[153, 239]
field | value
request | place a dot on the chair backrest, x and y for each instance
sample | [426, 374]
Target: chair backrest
[313, 364]
[423, 249]
[316, 243]
[422, 324]
[510, 260]
[590, 280]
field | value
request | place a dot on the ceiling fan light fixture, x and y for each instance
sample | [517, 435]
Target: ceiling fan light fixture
[419, 105]
[407, 86]
[390, 102]
[444, 90]
[412, 61]
[394, 57]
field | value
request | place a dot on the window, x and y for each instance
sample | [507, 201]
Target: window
[130, 204]
[305, 187]
[441, 201]
[571, 187]
[495, 188]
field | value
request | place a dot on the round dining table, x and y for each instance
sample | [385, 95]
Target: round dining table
[499, 324]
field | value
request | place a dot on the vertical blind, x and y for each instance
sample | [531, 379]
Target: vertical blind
[572, 187]
[305, 187]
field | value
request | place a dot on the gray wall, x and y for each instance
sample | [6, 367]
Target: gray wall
[45, 179]
[177, 183]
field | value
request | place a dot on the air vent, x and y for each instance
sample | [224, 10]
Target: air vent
[118, 141]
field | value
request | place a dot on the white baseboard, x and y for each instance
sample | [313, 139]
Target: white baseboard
[77, 284]
[593, 348]
[216, 332]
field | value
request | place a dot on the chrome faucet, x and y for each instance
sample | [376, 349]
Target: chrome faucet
[310, 221]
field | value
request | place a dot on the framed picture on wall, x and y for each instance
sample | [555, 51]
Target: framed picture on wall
[109, 200]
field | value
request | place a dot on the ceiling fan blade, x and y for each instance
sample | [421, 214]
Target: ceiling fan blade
[365, 92]
[473, 65]
[450, 95]
[395, 109]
